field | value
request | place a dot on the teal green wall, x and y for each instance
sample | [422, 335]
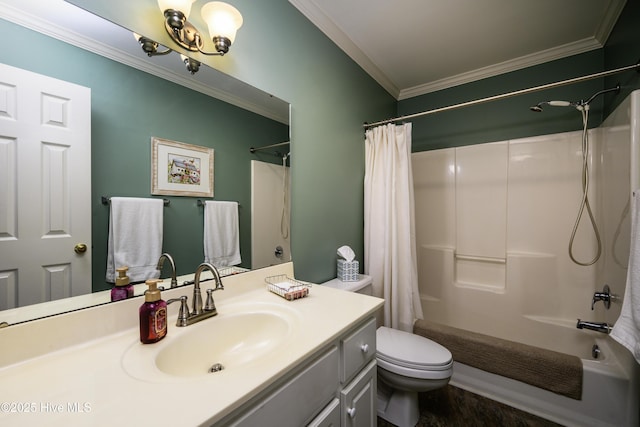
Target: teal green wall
[279, 51]
[511, 118]
[128, 108]
[622, 49]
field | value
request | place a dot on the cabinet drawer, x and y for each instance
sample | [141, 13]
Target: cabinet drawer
[329, 417]
[358, 348]
[295, 402]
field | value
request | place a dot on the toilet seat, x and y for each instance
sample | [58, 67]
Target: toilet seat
[412, 355]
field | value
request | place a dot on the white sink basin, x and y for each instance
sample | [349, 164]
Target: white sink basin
[238, 336]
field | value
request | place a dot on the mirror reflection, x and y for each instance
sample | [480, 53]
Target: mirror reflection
[129, 105]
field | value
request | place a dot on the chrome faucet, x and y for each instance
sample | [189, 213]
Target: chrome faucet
[594, 326]
[174, 281]
[197, 293]
[198, 313]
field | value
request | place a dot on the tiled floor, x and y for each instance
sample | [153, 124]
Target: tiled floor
[454, 407]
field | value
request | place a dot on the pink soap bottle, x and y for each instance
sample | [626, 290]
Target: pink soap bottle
[153, 314]
[123, 289]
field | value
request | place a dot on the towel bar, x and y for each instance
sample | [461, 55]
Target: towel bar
[107, 200]
[201, 203]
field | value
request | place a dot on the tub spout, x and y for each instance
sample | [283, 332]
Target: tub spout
[594, 326]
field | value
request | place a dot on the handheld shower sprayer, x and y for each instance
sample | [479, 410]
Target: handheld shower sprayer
[583, 107]
[538, 108]
[580, 105]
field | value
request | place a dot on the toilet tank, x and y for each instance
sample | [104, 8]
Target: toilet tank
[361, 286]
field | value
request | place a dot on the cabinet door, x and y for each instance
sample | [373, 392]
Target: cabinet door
[358, 400]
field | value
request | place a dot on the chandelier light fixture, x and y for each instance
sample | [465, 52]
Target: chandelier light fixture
[222, 19]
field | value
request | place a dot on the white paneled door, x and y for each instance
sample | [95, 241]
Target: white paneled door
[45, 188]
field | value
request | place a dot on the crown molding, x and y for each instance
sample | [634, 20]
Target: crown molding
[320, 20]
[609, 21]
[314, 13]
[522, 62]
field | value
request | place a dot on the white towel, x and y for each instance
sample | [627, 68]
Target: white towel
[135, 237]
[221, 233]
[627, 328]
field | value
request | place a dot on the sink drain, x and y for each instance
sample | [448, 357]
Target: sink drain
[216, 367]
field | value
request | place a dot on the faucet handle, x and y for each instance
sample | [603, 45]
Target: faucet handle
[604, 296]
[210, 305]
[183, 314]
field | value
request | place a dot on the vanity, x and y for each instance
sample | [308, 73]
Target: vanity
[310, 361]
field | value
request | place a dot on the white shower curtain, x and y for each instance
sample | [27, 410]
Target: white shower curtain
[389, 224]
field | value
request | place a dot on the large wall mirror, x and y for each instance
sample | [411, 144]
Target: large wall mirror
[133, 99]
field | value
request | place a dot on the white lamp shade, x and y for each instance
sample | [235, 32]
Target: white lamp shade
[222, 19]
[183, 6]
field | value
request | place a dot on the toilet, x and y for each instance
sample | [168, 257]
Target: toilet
[407, 364]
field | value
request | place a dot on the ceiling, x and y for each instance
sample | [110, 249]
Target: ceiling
[413, 47]
[410, 47]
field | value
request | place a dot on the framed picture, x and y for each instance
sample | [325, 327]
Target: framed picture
[179, 169]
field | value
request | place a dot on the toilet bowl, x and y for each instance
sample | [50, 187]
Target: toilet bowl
[407, 364]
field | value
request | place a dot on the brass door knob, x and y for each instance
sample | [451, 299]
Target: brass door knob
[80, 248]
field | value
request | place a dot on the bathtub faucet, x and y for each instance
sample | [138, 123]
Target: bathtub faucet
[594, 326]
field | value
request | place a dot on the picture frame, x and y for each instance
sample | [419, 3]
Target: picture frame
[179, 169]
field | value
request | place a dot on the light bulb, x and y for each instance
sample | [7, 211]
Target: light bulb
[222, 19]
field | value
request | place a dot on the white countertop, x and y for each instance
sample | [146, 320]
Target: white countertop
[84, 382]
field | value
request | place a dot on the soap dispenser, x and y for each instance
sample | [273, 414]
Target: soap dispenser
[153, 314]
[123, 289]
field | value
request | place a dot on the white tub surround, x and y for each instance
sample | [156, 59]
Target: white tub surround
[70, 369]
[495, 225]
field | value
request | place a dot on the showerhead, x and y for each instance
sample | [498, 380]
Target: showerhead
[580, 105]
[538, 108]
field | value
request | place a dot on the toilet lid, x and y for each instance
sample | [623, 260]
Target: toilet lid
[411, 351]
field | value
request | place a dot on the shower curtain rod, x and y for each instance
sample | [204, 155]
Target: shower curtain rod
[509, 94]
[253, 149]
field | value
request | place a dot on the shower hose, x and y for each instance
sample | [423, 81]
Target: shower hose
[284, 220]
[584, 109]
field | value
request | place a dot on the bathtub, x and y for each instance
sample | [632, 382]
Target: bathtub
[610, 394]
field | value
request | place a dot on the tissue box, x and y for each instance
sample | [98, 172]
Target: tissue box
[348, 270]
